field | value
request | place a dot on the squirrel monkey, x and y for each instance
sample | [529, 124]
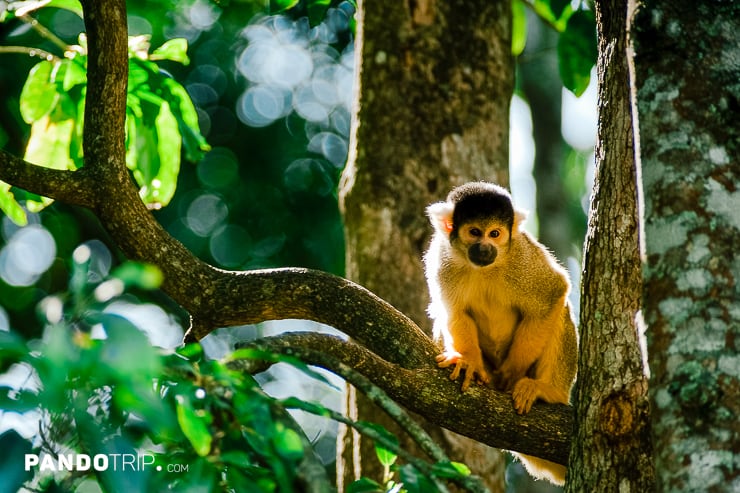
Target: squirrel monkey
[499, 304]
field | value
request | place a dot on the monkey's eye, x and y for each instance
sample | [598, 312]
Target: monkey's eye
[475, 232]
[495, 233]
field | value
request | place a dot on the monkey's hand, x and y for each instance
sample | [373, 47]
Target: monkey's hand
[473, 367]
[525, 392]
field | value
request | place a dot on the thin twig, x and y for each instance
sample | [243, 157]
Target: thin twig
[45, 33]
[32, 52]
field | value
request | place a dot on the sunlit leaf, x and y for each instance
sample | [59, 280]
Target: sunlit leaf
[23, 8]
[451, 470]
[39, 94]
[138, 274]
[137, 75]
[10, 206]
[193, 426]
[49, 143]
[519, 27]
[577, 51]
[187, 117]
[74, 74]
[174, 49]
[282, 5]
[161, 189]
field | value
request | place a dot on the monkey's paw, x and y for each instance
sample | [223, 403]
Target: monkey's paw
[525, 393]
[473, 370]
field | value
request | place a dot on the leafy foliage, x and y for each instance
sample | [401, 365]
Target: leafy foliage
[160, 116]
[576, 44]
[192, 423]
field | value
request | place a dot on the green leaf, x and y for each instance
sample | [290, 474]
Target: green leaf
[139, 274]
[519, 27]
[51, 137]
[39, 94]
[23, 8]
[558, 6]
[414, 482]
[282, 5]
[365, 485]
[174, 49]
[385, 456]
[10, 206]
[187, 118]
[237, 458]
[577, 51]
[161, 188]
[193, 426]
[73, 74]
[317, 11]
[287, 443]
[12, 470]
[126, 349]
[451, 470]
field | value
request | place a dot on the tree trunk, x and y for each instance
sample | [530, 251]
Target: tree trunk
[611, 449]
[435, 83]
[685, 76]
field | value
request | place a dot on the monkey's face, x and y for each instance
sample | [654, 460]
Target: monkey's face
[479, 220]
[480, 241]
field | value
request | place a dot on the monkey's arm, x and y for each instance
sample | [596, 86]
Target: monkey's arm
[464, 351]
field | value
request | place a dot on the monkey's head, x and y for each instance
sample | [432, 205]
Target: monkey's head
[479, 220]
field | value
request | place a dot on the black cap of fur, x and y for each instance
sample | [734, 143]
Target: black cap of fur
[481, 200]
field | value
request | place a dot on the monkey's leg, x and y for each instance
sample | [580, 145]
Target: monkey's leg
[465, 351]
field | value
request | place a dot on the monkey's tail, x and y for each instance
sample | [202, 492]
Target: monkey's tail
[543, 469]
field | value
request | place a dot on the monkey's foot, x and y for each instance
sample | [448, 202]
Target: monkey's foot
[473, 370]
[525, 392]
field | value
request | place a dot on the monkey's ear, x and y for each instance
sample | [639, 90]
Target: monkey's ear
[440, 215]
[519, 217]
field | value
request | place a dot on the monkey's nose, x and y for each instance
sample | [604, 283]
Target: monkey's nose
[481, 254]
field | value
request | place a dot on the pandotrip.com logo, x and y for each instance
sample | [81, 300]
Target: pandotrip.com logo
[98, 462]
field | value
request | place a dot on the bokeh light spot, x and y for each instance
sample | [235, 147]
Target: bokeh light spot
[230, 245]
[218, 168]
[205, 213]
[27, 255]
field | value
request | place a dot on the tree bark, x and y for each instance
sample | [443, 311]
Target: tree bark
[435, 83]
[612, 449]
[685, 75]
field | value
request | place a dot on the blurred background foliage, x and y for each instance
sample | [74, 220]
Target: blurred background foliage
[244, 170]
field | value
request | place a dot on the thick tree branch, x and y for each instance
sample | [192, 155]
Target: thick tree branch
[544, 432]
[71, 187]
